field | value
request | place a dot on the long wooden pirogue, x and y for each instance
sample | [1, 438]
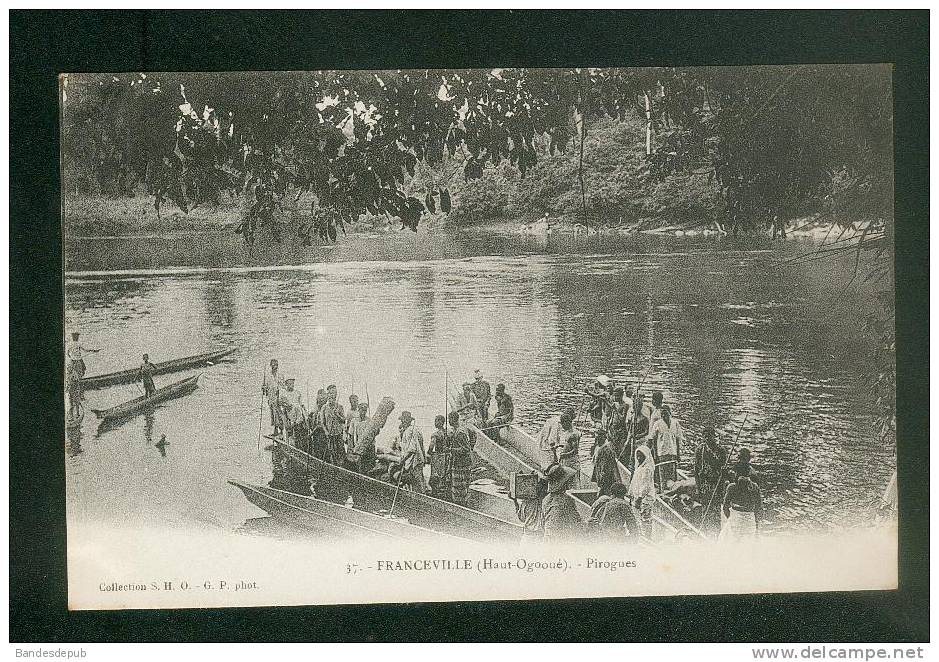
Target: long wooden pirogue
[332, 520]
[518, 451]
[137, 405]
[130, 375]
[336, 484]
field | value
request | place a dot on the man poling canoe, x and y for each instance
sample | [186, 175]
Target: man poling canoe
[75, 354]
[145, 374]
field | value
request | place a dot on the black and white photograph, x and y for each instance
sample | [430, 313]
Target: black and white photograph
[405, 335]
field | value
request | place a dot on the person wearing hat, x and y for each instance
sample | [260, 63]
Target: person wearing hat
[666, 437]
[75, 354]
[461, 461]
[561, 521]
[413, 454]
[483, 393]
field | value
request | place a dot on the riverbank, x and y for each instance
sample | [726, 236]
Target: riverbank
[799, 228]
[90, 217]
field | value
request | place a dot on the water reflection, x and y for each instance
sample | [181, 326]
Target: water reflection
[543, 324]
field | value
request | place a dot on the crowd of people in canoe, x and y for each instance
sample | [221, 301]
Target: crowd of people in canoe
[644, 439]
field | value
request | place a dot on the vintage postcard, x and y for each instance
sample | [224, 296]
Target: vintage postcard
[472, 334]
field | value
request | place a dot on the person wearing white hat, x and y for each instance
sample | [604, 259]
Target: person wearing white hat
[413, 454]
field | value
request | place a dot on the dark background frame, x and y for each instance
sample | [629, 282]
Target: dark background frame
[46, 43]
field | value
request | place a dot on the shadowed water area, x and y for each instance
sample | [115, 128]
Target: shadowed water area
[720, 326]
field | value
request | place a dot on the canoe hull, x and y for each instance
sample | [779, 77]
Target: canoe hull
[337, 484]
[138, 405]
[521, 446]
[332, 520]
[130, 375]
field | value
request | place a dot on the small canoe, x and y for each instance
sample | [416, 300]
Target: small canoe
[420, 509]
[130, 375]
[332, 520]
[137, 405]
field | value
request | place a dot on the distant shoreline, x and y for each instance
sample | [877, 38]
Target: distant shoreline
[135, 217]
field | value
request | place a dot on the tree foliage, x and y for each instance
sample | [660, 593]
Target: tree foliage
[777, 141]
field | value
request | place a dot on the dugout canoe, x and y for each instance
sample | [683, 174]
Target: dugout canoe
[130, 375]
[519, 451]
[332, 520]
[137, 405]
[337, 484]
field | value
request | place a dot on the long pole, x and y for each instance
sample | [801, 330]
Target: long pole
[397, 489]
[721, 476]
[260, 418]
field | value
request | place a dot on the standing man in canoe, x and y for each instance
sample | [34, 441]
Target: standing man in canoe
[483, 393]
[271, 387]
[362, 451]
[332, 420]
[351, 415]
[710, 461]
[439, 455]
[461, 449]
[666, 437]
[145, 375]
[291, 407]
[75, 354]
[413, 454]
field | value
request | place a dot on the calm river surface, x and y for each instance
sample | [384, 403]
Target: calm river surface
[724, 327]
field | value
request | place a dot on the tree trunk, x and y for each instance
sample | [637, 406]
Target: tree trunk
[648, 124]
[580, 174]
[379, 418]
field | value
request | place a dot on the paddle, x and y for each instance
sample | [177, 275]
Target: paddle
[260, 419]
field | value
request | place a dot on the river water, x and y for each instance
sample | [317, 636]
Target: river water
[725, 329]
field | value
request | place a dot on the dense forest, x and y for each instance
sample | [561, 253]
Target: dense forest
[732, 146]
